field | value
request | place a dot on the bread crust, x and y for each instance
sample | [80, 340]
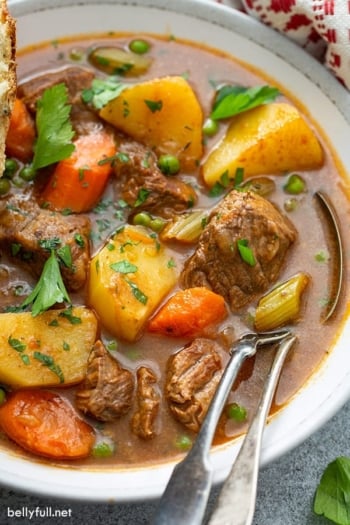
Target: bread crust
[7, 75]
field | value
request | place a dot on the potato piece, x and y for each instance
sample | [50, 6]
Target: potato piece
[164, 114]
[47, 350]
[129, 277]
[269, 139]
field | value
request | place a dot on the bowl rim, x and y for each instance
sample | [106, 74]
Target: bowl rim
[77, 485]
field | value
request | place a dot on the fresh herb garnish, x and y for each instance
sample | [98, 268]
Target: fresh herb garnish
[48, 361]
[16, 344]
[137, 293]
[154, 105]
[50, 288]
[231, 100]
[226, 181]
[68, 314]
[20, 347]
[124, 267]
[50, 244]
[102, 91]
[55, 132]
[332, 498]
[245, 252]
[141, 197]
[65, 255]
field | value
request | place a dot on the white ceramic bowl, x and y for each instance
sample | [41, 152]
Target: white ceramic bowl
[229, 30]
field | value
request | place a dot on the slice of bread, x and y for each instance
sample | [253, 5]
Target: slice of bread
[7, 74]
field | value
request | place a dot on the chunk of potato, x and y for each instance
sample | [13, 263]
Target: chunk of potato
[273, 139]
[164, 114]
[129, 277]
[51, 349]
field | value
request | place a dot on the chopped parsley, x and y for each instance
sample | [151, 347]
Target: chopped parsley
[102, 91]
[124, 267]
[68, 314]
[154, 105]
[245, 252]
[48, 360]
[137, 293]
[142, 196]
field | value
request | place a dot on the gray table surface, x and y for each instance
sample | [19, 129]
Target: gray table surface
[285, 492]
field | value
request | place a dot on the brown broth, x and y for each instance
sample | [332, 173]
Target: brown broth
[203, 67]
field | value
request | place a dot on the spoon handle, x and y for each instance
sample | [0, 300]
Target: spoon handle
[236, 501]
[186, 495]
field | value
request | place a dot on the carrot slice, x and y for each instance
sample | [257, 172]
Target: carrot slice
[21, 133]
[188, 312]
[45, 424]
[77, 182]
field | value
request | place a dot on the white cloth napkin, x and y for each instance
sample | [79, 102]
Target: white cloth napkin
[322, 27]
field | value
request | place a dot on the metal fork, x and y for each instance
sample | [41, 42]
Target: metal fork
[186, 495]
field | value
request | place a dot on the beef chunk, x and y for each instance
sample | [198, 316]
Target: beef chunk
[25, 228]
[141, 183]
[193, 374]
[148, 400]
[75, 78]
[217, 263]
[84, 121]
[107, 391]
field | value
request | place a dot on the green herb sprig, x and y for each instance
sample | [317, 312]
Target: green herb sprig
[232, 100]
[50, 288]
[55, 132]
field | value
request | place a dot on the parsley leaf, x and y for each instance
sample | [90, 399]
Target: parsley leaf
[231, 100]
[124, 267]
[332, 498]
[48, 360]
[137, 293]
[50, 288]
[154, 105]
[55, 132]
[102, 91]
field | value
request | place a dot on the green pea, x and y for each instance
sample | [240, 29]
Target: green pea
[27, 173]
[157, 224]
[11, 166]
[169, 164]
[103, 450]
[5, 186]
[139, 46]
[183, 442]
[236, 412]
[210, 127]
[142, 219]
[295, 184]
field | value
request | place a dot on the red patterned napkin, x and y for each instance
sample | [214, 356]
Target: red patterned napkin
[322, 27]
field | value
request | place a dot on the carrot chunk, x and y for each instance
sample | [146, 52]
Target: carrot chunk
[188, 312]
[77, 182]
[45, 424]
[21, 133]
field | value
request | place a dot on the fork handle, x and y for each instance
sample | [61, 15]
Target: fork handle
[186, 495]
[236, 501]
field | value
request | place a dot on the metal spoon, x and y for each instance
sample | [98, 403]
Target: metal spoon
[338, 271]
[236, 501]
[186, 495]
